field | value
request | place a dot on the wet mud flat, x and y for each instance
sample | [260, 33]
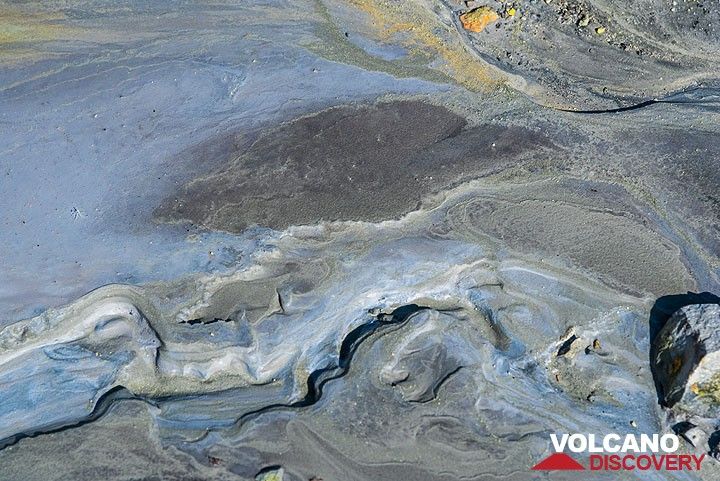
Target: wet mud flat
[476, 351]
[416, 257]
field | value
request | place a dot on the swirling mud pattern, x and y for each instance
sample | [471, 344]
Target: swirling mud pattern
[359, 240]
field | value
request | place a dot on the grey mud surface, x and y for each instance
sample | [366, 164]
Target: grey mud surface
[348, 239]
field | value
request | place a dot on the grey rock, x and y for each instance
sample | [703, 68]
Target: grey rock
[695, 436]
[685, 357]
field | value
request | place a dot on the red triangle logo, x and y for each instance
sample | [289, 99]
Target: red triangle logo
[558, 462]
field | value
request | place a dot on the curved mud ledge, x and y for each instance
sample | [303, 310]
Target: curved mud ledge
[470, 314]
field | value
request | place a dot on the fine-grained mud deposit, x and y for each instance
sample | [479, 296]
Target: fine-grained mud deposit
[355, 241]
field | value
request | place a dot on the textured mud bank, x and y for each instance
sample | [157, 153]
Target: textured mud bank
[427, 346]
[354, 241]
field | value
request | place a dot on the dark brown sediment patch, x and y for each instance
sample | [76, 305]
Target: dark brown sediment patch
[370, 163]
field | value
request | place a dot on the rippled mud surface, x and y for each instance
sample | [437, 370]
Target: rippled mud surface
[348, 240]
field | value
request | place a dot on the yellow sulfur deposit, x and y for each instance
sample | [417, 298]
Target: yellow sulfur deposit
[16, 26]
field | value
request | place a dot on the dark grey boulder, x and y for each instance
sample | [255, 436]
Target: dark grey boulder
[685, 359]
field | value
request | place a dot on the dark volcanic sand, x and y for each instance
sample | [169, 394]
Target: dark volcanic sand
[369, 162]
